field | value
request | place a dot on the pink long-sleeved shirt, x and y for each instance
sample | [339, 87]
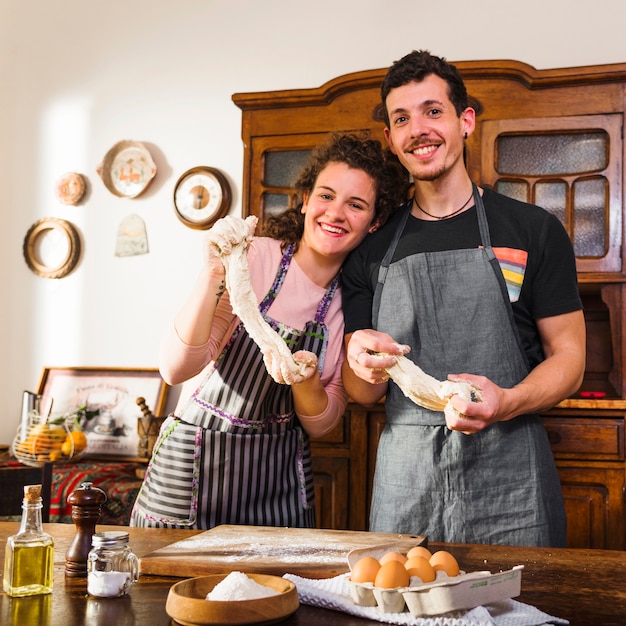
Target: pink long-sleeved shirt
[295, 304]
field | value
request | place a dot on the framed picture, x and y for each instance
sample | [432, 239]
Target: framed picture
[113, 392]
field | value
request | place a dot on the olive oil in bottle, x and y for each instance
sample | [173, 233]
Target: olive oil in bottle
[29, 555]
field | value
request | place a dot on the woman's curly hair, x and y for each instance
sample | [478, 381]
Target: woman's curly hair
[358, 152]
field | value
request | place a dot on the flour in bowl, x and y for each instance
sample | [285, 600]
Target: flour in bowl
[237, 586]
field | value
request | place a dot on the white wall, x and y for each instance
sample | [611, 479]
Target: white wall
[77, 76]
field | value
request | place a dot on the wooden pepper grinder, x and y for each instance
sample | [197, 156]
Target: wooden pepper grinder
[86, 503]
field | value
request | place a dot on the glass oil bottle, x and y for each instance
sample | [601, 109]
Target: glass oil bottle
[29, 555]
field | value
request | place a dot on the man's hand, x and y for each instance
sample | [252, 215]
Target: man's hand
[363, 355]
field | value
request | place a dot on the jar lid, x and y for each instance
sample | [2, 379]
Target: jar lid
[109, 539]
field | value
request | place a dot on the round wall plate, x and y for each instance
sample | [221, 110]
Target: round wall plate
[127, 169]
[70, 188]
[52, 247]
[201, 196]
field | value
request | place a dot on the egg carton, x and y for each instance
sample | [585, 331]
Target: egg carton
[445, 594]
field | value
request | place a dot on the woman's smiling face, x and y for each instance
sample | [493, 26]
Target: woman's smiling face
[339, 211]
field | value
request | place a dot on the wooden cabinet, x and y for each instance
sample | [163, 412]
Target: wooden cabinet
[594, 505]
[553, 137]
[339, 467]
[589, 450]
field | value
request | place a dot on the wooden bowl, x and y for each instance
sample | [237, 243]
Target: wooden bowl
[186, 603]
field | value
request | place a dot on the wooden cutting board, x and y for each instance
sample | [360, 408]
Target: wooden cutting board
[307, 552]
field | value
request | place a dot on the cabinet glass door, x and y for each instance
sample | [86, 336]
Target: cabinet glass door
[571, 167]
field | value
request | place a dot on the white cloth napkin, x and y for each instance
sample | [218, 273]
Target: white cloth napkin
[332, 593]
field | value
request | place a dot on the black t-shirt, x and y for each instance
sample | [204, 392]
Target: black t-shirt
[531, 244]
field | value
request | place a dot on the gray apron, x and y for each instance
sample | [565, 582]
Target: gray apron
[237, 454]
[498, 486]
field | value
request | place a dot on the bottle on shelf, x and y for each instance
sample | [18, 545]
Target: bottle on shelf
[29, 555]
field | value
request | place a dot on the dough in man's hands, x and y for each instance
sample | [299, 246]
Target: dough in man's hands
[425, 390]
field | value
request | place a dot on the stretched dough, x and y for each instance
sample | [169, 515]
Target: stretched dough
[245, 306]
[426, 390]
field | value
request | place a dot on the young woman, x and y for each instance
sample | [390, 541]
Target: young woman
[236, 450]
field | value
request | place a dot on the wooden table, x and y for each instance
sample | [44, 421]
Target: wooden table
[587, 587]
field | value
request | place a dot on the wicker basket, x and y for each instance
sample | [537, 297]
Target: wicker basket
[54, 440]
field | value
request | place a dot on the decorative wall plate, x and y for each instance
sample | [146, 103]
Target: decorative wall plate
[127, 169]
[201, 196]
[70, 188]
[52, 247]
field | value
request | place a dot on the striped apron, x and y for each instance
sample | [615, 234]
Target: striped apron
[498, 485]
[237, 454]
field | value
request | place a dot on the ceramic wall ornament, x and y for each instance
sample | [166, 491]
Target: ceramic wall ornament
[132, 238]
[127, 169]
[70, 188]
[52, 247]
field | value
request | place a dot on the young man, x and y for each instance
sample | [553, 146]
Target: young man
[468, 284]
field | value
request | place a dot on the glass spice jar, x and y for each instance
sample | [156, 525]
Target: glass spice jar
[112, 567]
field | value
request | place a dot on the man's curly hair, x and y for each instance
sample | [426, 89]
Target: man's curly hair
[415, 67]
[358, 152]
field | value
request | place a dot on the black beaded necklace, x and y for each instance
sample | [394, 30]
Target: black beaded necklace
[443, 217]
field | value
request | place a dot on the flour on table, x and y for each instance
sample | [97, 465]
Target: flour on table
[233, 549]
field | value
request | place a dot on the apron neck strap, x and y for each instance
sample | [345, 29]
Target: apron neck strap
[483, 226]
[485, 239]
[278, 279]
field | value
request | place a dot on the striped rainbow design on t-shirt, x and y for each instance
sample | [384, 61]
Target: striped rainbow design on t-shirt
[513, 266]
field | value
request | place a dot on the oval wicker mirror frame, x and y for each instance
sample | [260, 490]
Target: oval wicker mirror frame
[34, 239]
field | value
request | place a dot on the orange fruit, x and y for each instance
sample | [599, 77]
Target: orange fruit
[75, 442]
